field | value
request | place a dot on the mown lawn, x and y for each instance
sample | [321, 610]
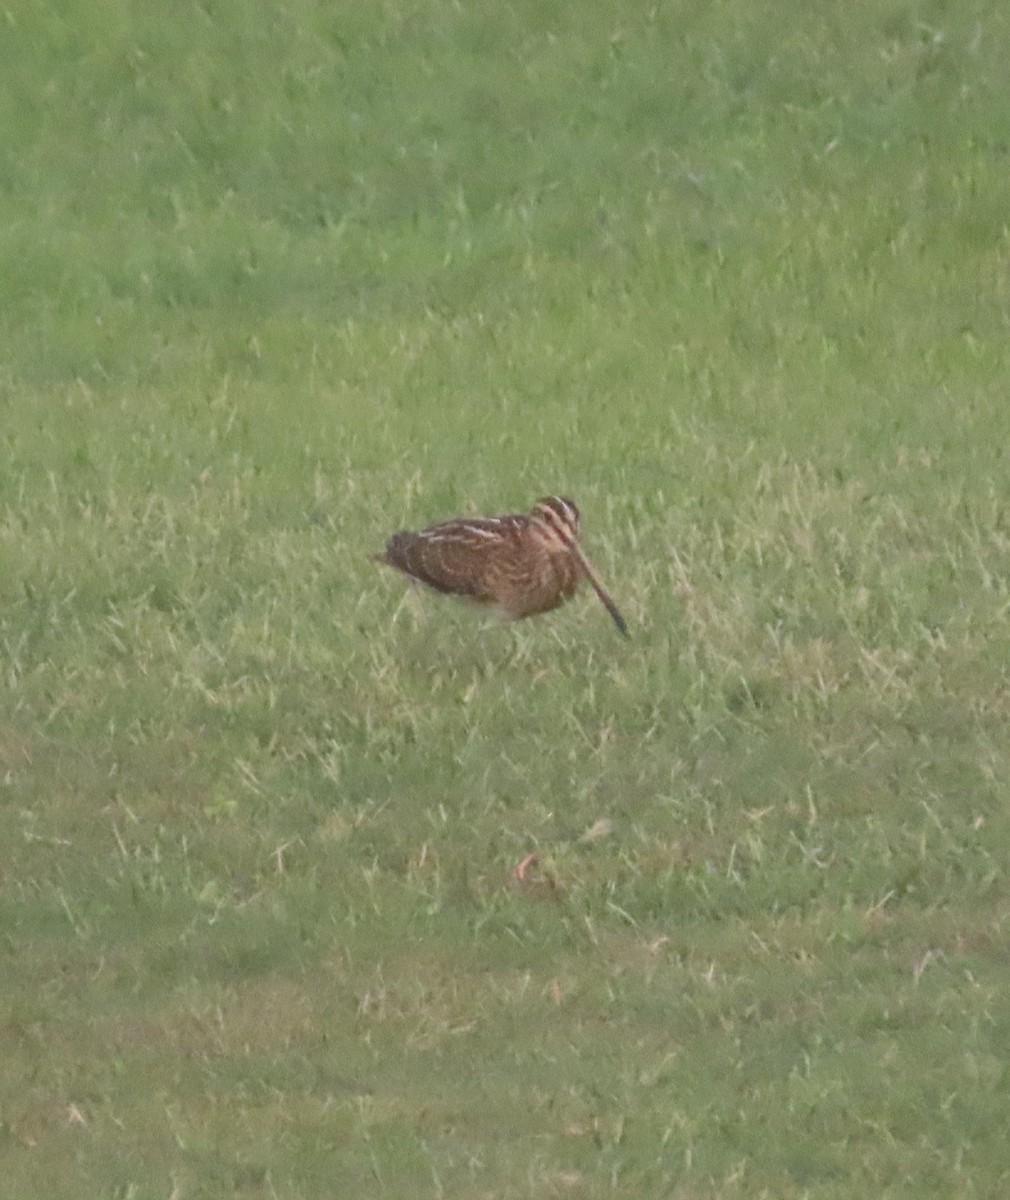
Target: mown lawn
[278, 279]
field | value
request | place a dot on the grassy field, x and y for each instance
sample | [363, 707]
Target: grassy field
[278, 279]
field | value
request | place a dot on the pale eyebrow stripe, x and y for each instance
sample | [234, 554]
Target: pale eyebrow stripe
[553, 517]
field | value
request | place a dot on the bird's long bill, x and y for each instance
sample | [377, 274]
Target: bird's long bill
[601, 591]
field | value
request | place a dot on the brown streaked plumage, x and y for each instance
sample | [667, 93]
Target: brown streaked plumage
[522, 563]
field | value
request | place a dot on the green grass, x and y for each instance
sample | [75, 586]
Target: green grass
[278, 279]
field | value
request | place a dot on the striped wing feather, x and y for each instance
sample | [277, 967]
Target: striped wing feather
[454, 556]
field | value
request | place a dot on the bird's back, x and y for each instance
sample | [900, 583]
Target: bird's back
[457, 556]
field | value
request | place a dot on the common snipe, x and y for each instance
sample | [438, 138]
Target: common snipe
[521, 563]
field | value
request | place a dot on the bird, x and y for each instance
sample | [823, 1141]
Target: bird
[520, 563]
